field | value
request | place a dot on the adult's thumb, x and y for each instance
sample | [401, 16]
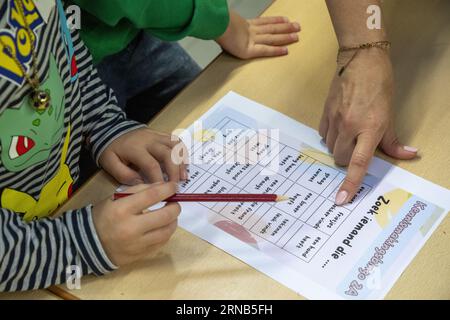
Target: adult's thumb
[392, 146]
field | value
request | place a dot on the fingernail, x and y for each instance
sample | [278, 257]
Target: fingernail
[284, 50]
[410, 149]
[341, 197]
[285, 19]
[294, 36]
[296, 25]
[138, 181]
[184, 175]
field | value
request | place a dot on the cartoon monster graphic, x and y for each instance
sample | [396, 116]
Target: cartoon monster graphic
[27, 136]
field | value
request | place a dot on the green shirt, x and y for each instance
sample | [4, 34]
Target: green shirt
[108, 26]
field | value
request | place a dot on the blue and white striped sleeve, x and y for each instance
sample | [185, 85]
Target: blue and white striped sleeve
[36, 255]
[103, 119]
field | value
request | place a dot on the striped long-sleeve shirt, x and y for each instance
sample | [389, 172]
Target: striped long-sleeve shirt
[39, 150]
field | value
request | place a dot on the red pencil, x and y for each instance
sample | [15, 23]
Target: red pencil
[206, 197]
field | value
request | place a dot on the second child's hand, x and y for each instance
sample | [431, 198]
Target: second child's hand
[141, 155]
[260, 37]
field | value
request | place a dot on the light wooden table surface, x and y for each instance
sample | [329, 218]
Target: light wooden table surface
[297, 85]
[29, 295]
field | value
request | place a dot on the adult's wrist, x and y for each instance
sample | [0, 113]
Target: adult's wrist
[372, 59]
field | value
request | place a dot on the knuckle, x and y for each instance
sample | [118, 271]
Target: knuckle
[165, 234]
[171, 187]
[334, 116]
[341, 160]
[120, 211]
[171, 211]
[154, 193]
[161, 191]
[246, 55]
[351, 184]
[381, 127]
[394, 140]
[291, 27]
[359, 160]
[167, 147]
[133, 147]
[125, 234]
[272, 29]
[136, 250]
[375, 124]
[166, 216]
[153, 165]
[124, 177]
[347, 119]
[346, 104]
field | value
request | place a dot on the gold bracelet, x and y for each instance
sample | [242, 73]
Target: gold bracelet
[378, 44]
[385, 45]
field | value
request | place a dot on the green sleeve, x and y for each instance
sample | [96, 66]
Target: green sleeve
[207, 19]
[109, 25]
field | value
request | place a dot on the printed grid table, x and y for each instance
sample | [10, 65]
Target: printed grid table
[244, 163]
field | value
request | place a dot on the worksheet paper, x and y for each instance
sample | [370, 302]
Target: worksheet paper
[318, 249]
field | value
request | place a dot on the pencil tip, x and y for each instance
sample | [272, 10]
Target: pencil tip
[282, 198]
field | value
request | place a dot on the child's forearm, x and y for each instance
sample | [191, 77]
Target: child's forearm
[42, 253]
[349, 19]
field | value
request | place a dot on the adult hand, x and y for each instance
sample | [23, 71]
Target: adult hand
[357, 117]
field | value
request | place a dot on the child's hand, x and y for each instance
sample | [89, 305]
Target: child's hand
[127, 232]
[260, 37]
[142, 154]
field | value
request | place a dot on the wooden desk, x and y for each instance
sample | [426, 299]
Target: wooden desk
[29, 295]
[297, 85]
